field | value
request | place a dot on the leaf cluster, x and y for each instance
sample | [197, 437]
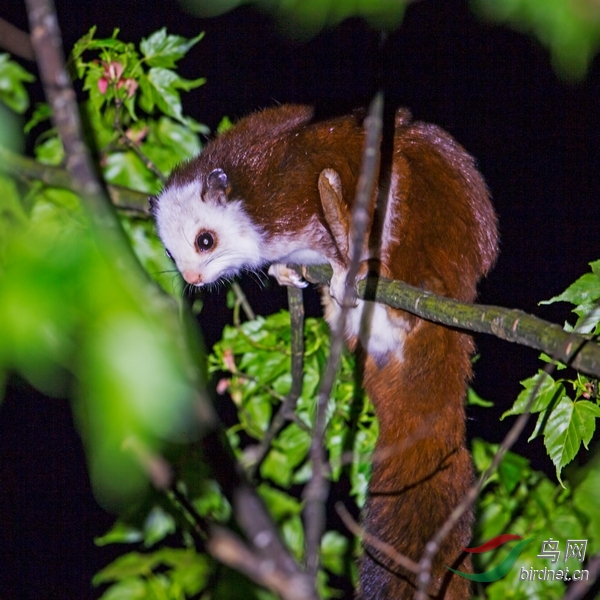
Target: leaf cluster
[567, 408]
[123, 83]
[525, 502]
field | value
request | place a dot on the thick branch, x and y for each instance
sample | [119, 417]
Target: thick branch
[507, 324]
[231, 551]
[248, 508]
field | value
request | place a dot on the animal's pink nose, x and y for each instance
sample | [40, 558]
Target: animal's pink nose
[192, 277]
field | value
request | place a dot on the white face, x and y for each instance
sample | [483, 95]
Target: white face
[208, 238]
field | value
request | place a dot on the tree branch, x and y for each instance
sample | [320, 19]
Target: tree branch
[507, 324]
[248, 508]
[15, 41]
[231, 551]
[288, 406]
[579, 589]
[26, 168]
[316, 491]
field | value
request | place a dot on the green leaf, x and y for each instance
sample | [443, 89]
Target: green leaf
[50, 151]
[293, 535]
[41, 114]
[570, 31]
[569, 424]
[128, 170]
[127, 566]
[157, 526]
[585, 290]
[12, 90]
[333, 552]
[224, 124]
[132, 588]
[177, 138]
[547, 392]
[295, 443]
[119, 533]
[165, 84]
[277, 468]
[82, 44]
[512, 470]
[474, 399]
[162, 50]
[190, 570]
[12, 215]
[586, 498]
[211, 503]
[280, 504]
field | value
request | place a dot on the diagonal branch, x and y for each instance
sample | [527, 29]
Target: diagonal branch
[507, 324]
[22, 167]
[15, 41]
[248, 508]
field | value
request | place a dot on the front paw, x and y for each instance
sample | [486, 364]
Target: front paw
[286, 276]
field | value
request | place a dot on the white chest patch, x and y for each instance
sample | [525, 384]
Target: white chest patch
[380, 332]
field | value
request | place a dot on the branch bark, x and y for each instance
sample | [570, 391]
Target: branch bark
[22, 167]
[15, 41]
[248, 507]
[316, 491]
[507, 324]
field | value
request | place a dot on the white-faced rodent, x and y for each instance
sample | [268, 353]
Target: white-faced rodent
[278, 188]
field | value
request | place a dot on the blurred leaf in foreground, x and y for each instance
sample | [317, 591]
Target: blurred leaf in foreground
[570, 29]
[75, 323]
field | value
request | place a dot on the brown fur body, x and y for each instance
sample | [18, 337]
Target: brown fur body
[438, 232]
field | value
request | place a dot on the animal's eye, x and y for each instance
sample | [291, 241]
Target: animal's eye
[204, 241]
[169, 255]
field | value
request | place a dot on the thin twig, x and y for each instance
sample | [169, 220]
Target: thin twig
[373, 541]
[242, 300]
[200, 526]
[288, 406]
[248, 508]
[231, 551]
[129, 143]
[316, 491]
[31, 170]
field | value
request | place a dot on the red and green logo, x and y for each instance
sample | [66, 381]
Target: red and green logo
[500, 570]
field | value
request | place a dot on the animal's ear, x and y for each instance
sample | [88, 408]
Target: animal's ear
[152, 205]
[216, 184]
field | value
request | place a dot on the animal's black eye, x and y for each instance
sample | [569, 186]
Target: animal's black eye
[169, 255]
[204, 241]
